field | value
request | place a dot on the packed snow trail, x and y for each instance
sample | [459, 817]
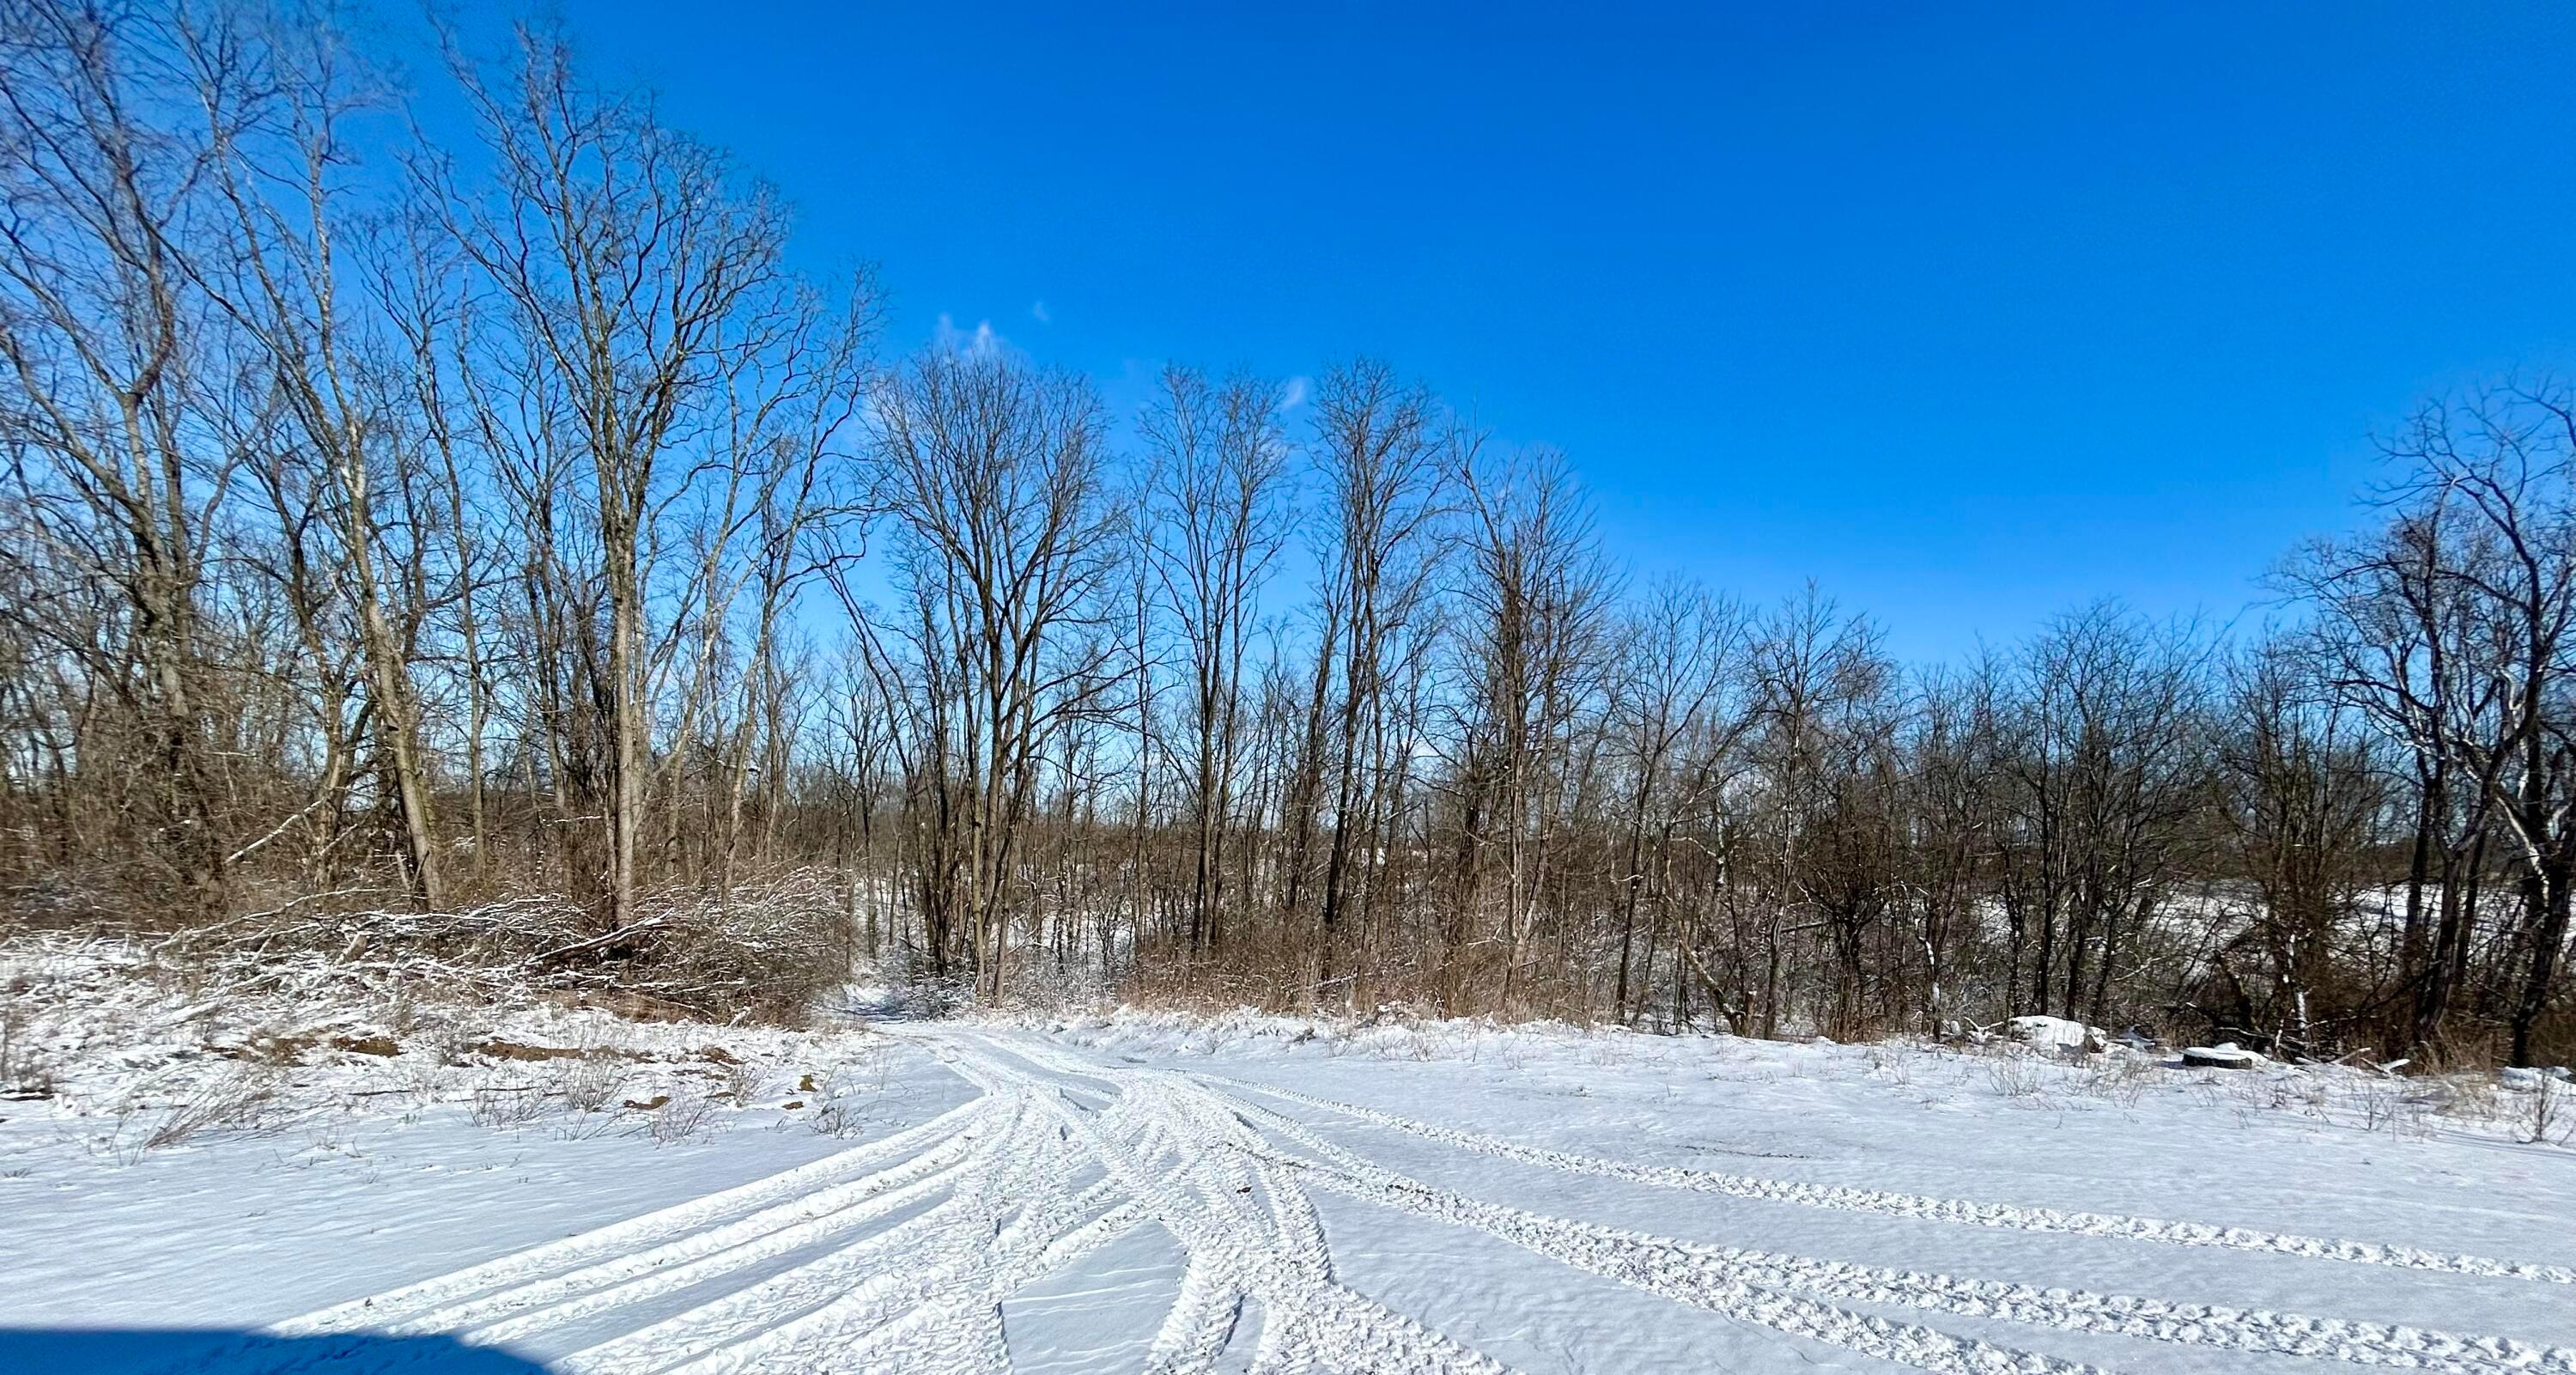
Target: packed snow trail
[1937, 1209]
[904, 1255]
[1717, 1277]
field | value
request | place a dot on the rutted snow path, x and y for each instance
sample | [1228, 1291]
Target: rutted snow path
[905, 1254]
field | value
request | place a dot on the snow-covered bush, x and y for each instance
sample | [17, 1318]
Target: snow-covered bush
[765, 948]
[134, 1052]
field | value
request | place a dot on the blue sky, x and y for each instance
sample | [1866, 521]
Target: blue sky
[1968, 313]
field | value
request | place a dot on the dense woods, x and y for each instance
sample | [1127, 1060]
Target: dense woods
[493, 538]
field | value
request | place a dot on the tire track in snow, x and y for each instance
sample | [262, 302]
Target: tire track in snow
[905, 1250]
[1713, 1277]
[873, 1281]
[1307, 1324]
[1282, 1226]
[1926, 1208]
[799, 1319]
[746, 1313]
[776, 1231]
[962, 1334]
[1200, 1323]
[1908, 1344]
[380, 1311]
[653, 1282]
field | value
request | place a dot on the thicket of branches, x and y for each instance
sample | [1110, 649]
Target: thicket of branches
[395, 531]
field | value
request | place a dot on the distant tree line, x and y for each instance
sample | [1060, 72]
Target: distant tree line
[390, 524]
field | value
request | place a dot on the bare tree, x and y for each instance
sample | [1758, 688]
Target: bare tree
[114, 369]
[2105, 769]
[355, 509]
[2497, 476]
[997, 476]
[1222, 462]
[1679, 659]
[1386, 453]
[1825, 699]
[1535, 636]
[2303, 795]
[639, 274]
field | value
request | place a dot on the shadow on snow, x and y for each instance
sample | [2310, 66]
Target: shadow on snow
[44, 1351]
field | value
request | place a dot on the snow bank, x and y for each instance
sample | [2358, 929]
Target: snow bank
[2057, 1033]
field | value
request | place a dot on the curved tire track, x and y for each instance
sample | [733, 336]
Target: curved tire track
[901, 1253]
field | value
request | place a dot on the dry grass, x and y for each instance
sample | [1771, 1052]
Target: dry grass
[743, 1082]
[587, 1083]
[844, 1099]
[2549, 1115]
[243, 1101]
[508, 1105]
[679, 1118]
[24, 1073]
[2015, 1076]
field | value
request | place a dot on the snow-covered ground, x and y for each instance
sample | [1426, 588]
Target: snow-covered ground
[1256, 1194]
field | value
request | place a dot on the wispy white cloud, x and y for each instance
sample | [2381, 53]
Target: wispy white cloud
[1294, 391]
[1038, 312]
[980, 342]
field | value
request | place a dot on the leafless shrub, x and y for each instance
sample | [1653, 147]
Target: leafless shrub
[743, 1081]
[2382, 1105]
[423, 1084]
[836, 1113]
[452, 1045]
[2122, 1080]
[2282, 1090]
[587, 1083]
[2015, 1076]
[23, 1072]
[2545, 1118]
[765, 949]
[402, 1013]
[1894, 1064]
[241, 1102]
[843, 1098]
[508, 1105]
[680, 1118]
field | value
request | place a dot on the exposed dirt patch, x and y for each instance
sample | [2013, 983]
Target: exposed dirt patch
[634, 1007]
[271, 1050]
[499, 1049]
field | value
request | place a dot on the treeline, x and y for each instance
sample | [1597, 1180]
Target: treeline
[390, 525]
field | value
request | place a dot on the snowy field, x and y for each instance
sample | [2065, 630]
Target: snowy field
[1252, 1194]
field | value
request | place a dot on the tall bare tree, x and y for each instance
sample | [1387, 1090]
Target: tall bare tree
[115, 371]
[1221, 459]
[997, 475]
[640, 274]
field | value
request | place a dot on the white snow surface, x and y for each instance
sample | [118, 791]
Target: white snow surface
[1154, 1193]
